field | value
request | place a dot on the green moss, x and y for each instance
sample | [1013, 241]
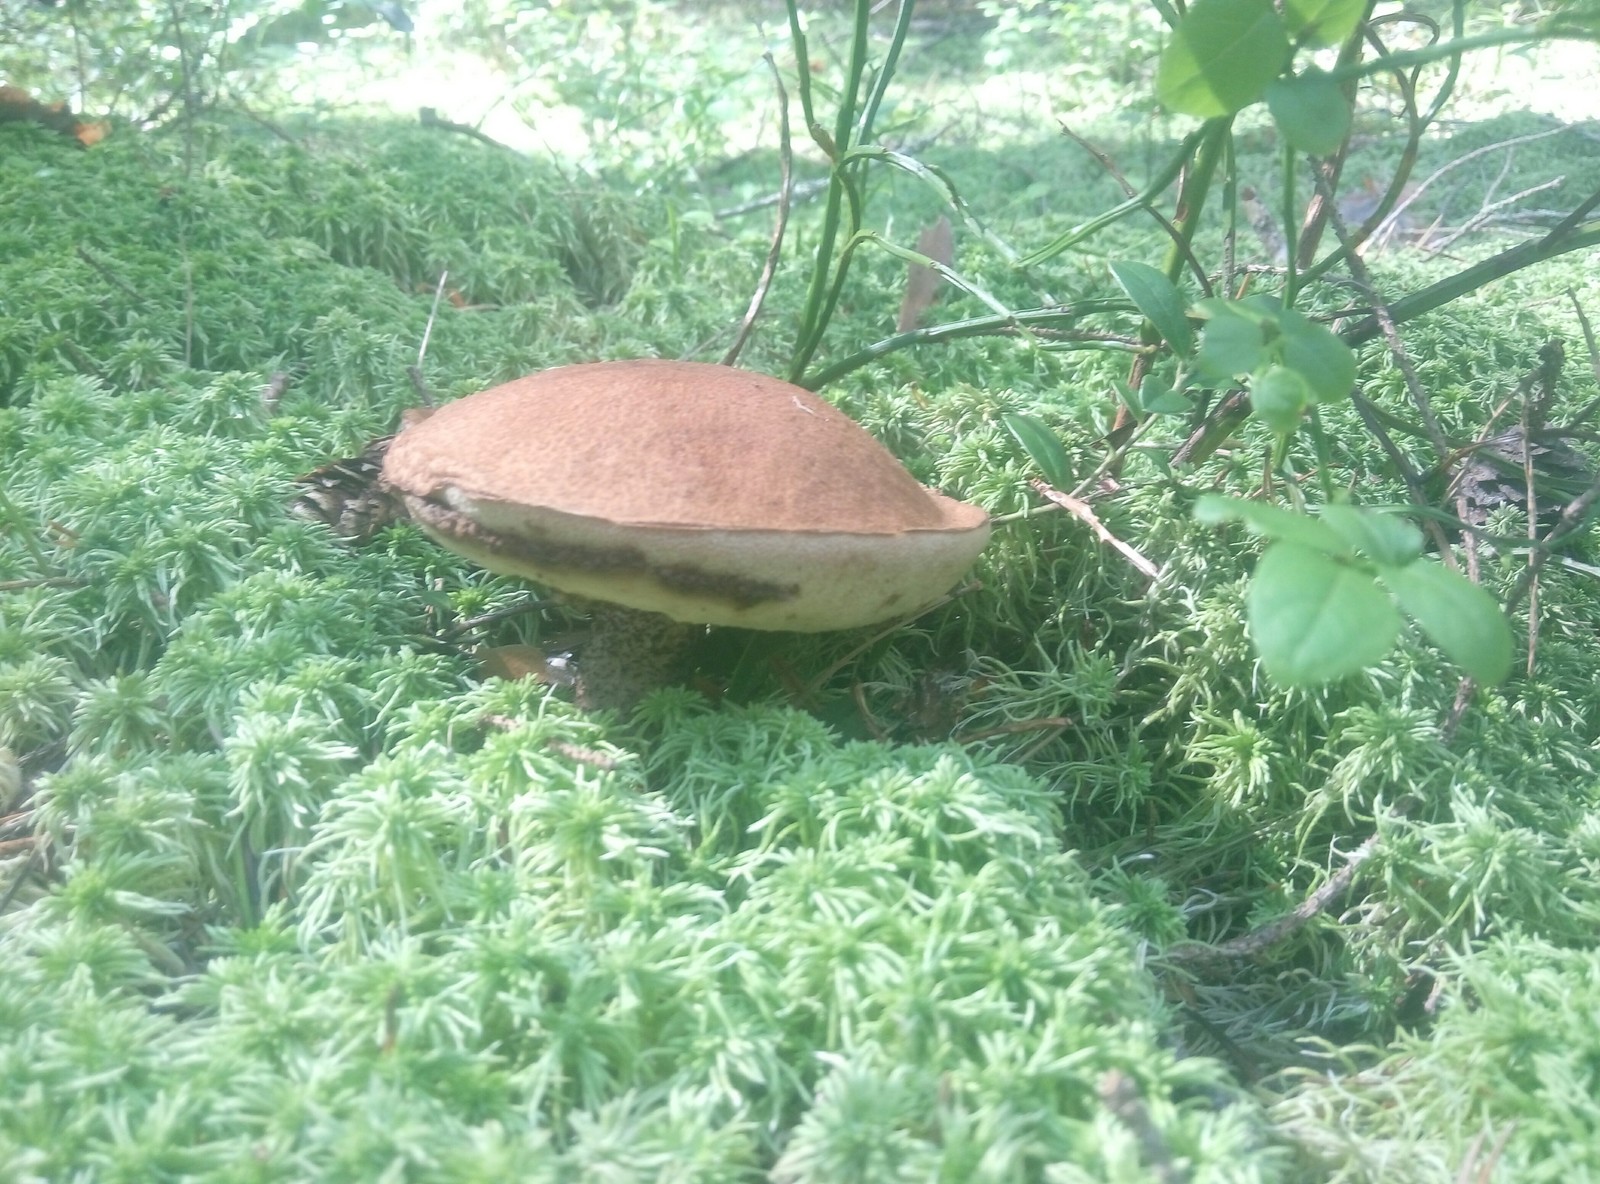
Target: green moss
[317, 902]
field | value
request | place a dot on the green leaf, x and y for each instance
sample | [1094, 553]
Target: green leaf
[1042, 445]
[1322, 22]
[1261, 309]
[1383, 538]
[1156, 397]
[1310, 110]
[1279, 398]
[1159, 299]
[1233, 341]
[1317, 354]
[1221, 57]
[1461, 618]
[1315, 619]
[1272, 521]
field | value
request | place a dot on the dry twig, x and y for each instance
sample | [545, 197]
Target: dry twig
[785, 196]
[1391, 336]
[1080, 509]
[1273, 932]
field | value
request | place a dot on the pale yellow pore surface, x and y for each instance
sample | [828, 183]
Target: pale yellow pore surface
[706, 493]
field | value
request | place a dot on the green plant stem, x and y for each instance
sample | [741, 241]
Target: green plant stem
[797, 38]
[820, 137]
[1025, 513]
[1472, 278]
[1140, 201]
[821, 297]
[974, 327]
[844, 124]
[1319, 441]
[1290, 245]
[1331, 168]
[1416, 124]
[937, 179]
[880, 84]
[1458, 26]
[1455, 47]
[1215, 138]
[1212, 146]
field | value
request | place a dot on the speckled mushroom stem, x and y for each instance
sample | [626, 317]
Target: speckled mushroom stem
[628, 654]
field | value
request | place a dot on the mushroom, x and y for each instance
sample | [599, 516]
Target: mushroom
[684, 493]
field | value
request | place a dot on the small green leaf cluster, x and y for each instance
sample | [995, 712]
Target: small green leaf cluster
[1322, 599]
[1293, 363]
[1226, 54]
[1322, 602]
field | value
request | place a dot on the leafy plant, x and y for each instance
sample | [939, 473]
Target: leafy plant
[1322, 602]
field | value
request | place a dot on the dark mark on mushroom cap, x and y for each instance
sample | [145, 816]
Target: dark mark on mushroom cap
[526, 551]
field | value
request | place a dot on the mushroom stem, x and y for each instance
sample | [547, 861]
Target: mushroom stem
[628, 654]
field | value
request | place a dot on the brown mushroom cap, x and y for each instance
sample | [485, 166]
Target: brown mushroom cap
[710, 494]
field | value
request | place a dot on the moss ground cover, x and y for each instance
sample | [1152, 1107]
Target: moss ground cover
[292, 891]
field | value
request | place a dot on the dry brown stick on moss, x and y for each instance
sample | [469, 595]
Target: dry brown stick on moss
[1270, 934]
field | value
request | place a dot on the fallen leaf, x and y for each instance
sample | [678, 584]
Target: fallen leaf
[922, 282]
[515, 662]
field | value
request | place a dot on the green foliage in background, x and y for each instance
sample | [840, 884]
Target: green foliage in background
[295, 892]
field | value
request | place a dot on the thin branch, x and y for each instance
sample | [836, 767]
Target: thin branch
[1427, 182]
[430, 117]
[1259, 940]
[1575, 219]
[1560, 241]
[1030, 319]
[1080, 509]
[264, 122]
[1594, 357]
[1531, 490]
[1331, 167]
[1119, 1093]
[1128, 191]
[1572, 517]
[419, 384]
[1487, 213]
[1458, 709]
[1370, 418]
[432, 314]
[804, 191]
[107, 274]
[775, 251]
[531, 605]
[1481, 1171]
[1391, 335]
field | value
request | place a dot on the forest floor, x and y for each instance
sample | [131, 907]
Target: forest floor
[1051, 883]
